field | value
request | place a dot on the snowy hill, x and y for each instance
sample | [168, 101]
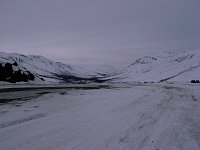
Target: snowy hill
[46, 70]
[181, 66]
[162, 66]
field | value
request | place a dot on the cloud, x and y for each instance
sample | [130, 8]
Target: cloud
[105, 29]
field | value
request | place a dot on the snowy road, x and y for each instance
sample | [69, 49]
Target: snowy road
[145, 117]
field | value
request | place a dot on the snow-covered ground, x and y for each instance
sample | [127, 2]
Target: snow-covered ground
[126, 117]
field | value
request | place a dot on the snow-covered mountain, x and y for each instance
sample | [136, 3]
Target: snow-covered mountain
[45, 70]
[162, 66]
[181, 66]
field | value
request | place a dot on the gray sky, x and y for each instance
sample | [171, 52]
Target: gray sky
[98, 30]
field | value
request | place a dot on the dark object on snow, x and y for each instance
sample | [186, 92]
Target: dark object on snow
[195, 81]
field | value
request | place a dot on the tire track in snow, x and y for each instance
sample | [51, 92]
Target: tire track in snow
[12, 123]
[156, 130]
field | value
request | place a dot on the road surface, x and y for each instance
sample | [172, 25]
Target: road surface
[140, 117]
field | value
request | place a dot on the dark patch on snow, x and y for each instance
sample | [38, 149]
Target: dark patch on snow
[33, 117]
[16, 100]
[195, 81]
[80, 80]
[194, 99]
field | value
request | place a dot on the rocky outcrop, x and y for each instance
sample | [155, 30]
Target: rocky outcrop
[8, 74]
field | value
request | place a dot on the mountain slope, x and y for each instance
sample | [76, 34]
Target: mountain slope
[181, 66]
[163, 66]
[46, 70]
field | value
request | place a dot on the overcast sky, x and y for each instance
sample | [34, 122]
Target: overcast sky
[98, 30]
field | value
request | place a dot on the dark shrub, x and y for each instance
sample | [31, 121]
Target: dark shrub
[31, 76]
[7, 74]
[8, 70]
[193, 81]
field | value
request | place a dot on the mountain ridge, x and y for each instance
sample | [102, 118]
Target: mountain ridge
[156, 67]
[163, 66]
[45, 69]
